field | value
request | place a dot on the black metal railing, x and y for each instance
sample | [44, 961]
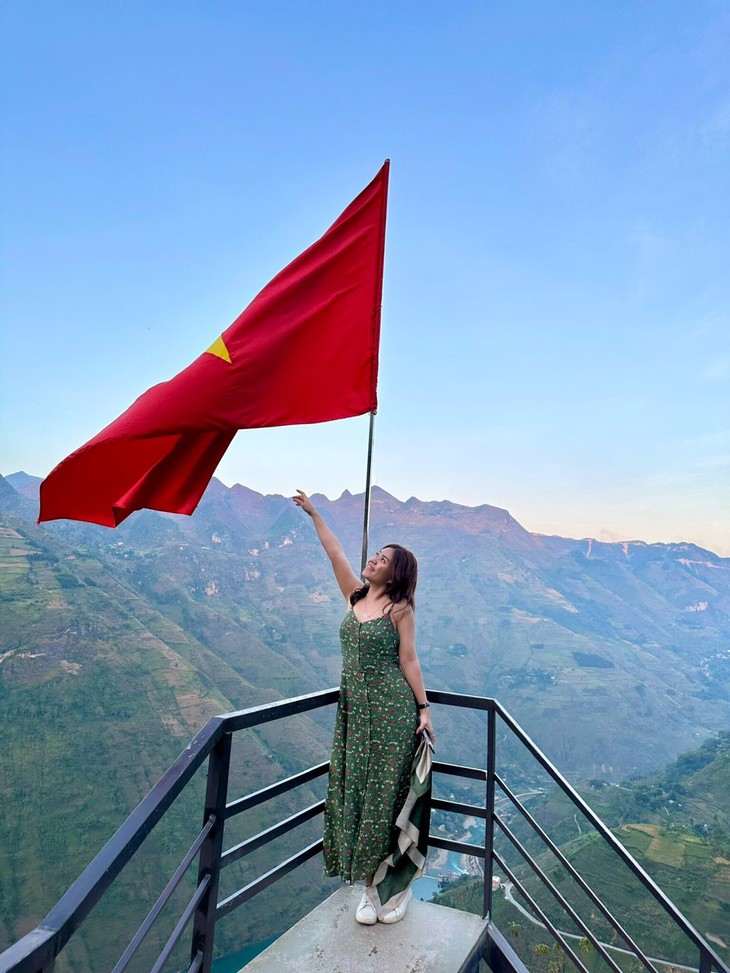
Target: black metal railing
[499, 721]
[37, 951]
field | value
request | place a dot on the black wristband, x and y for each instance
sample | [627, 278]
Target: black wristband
[423, 705]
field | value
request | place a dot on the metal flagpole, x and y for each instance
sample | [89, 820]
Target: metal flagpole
[375, 336]
[366, 520]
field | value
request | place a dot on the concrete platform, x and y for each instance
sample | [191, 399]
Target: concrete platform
[429, 939]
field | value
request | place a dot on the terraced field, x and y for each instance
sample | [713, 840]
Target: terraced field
[685, 867]
[14, 557]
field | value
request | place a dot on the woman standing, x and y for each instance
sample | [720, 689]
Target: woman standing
[381, 711]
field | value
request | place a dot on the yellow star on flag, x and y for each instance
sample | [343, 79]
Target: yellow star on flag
[218, 348]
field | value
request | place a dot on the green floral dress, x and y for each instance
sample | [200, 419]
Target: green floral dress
[372, 750]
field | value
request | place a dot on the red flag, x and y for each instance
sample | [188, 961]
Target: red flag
[305, 350]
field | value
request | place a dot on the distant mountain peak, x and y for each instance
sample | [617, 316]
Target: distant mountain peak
[14, 502]
[238, 488]
[382, 494]
[22, 479]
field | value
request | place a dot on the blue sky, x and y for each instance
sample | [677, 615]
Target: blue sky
[556, 324]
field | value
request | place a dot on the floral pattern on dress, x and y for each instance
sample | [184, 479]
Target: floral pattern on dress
[373, 746]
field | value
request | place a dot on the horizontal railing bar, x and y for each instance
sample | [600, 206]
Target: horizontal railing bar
[455, 807]
[575, 874]
[565, 905]
[274, 790]
[165, 895]
[482, 703]
[181, 924]
[643, 876]
[539, 913]
[476, 851]
[197, 962]
[39, 947]
[273, 875]
[244, 848]
[256, 715]
[455, 770]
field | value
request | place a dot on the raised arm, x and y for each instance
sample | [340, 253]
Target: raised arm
[346, 577]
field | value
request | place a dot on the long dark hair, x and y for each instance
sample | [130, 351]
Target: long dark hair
[401, 585]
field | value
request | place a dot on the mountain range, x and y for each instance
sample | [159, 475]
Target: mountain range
[616, 657]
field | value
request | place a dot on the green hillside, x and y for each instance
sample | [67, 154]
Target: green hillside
[676, 825]
[687, 868]
[693, 791]
[99, 694]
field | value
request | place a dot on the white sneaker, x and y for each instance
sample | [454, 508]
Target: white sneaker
[395, 915]
[366, 914]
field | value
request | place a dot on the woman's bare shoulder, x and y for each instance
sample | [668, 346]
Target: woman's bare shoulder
[400, 610]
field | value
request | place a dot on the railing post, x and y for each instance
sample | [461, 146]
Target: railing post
[209, 862]
[489, 821]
